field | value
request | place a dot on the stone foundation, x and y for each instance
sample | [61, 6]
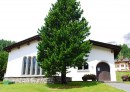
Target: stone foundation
[54, 79]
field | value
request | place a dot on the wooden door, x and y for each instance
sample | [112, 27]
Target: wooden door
[103, 72]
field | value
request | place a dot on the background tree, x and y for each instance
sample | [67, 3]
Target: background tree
[3, 56]
[5, 43]
[3, 63]
[125, 52]
[63, 37]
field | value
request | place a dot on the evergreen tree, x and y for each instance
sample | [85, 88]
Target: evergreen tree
[125, 52]
[3, 63]
[63, 37]
[5, 43]
[3, 56]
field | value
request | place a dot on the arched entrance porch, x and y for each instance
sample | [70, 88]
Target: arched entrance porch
[103, 72]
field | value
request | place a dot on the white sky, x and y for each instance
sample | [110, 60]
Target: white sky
[109, 19]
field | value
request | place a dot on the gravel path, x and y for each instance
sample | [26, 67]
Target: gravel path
[125, 87]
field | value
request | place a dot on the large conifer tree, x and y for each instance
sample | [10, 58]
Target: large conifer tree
[63, 37]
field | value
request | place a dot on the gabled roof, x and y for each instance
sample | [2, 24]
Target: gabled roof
[116, 49]
[18, 44]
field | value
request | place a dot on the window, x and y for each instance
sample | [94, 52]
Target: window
[24, 65]
[80, 68]
[30, 66]
[117, 66]
[122, 65]
[84, 67]
[33, 65]
[38, 71]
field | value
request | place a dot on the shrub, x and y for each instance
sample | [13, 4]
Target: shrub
[6, 82]
[125, 78]
[89, 77]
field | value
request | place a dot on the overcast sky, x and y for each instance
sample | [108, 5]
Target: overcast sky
[109, 19]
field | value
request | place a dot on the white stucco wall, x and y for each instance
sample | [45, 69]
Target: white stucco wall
[14, 65]
[97, 54]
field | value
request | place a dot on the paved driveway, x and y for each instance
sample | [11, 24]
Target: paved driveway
[125, 87]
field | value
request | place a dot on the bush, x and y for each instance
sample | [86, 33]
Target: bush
[7, 82]
[89, 77]
[125, 78]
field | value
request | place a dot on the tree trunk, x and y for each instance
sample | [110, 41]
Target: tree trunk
[63, 78]
[63, 74]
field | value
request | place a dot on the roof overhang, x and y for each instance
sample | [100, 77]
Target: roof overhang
[18, 44]
[114, 48]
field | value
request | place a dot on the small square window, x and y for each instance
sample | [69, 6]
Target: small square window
[122, 65]
[117, 66]
[80, 68]
[84, 67]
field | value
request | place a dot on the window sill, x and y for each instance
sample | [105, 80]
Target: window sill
[83, 70]
[32, 76]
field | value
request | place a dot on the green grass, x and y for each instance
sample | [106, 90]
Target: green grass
[70, 87]
[119, 74]
[127, 82]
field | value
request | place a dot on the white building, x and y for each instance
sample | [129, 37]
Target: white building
[22, 63]
[122, 65]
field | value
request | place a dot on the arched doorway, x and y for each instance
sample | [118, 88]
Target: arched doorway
[103, 72]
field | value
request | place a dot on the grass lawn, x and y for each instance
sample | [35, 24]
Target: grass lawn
[127, 82]
[119, 74]
[70, 87]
